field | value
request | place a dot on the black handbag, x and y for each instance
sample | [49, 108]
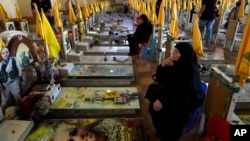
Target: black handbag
[154, 89]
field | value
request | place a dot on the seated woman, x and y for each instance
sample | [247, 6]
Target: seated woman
[233, 15]
[180, 83]
[142, 34]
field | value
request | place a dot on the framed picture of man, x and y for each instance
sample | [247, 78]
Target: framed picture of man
[75, 33]
[61, 16]
[66, 42]
[81, 29]
[10, 26]
[24, 26]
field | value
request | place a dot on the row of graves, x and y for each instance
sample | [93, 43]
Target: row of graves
[93, 92]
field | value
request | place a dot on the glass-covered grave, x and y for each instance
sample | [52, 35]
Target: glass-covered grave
[95, 101]
[102, 71]
[112, 129]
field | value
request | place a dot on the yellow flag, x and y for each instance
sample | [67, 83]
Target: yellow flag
[89, 7]
[184, 6]
[85, 12]
[189, 5]
[79, 11]
[198, 4]
[178, 5]
[50, 38]
[2, 44]
[242, 66]
[4, 13]
[72, 17]
[58, 21]
[59, 4]
[39, 26]
[241, 10]
[97, 7]
[226, 4]
[161, 15]
[220, 11]
[18, 13]
[173, 27]
[197, 41]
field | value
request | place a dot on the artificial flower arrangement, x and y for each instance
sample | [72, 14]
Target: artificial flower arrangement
[33, 107]
[46, 65]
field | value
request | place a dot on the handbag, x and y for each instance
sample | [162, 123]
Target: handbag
[154, 89]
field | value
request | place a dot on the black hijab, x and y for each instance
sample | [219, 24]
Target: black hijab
[144, 30]
[184, 75]
[144, 18]
[188, 62]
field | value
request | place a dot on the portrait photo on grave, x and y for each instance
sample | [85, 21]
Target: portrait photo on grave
[61, 16]
[75, 33]
[10, 26]
[66, 42]
[24, 57]
[24, 26]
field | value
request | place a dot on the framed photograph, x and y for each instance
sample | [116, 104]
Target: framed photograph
[10, 26]
[81, 29]
[87, 25]
[21, 47]
[24, 26]
[61, 16]
[75, 33]
[66, 42]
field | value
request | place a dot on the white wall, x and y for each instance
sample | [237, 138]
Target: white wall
[9, 6]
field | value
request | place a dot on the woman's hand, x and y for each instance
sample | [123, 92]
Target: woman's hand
[157, 106]
[167, 62]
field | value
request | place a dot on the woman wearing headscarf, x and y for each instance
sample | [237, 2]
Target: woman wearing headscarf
[142, 34]
[180, 80]
[233, 15]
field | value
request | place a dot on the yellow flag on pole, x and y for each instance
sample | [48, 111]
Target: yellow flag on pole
[85, 12]
[57, 18]
[242, 66]
[189, 5]
[184, 5]
[59, 4]
[173, 27]
[197, 41]
[4, 14]
[79, 11]
[2, 44]
[161, 15]
[18, 13]
[50, 38]
[39, 26]
[226, 4]
[241, 10]
[72, 17]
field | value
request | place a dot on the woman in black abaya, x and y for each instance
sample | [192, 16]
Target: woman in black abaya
[180, 80]
[142, 34]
